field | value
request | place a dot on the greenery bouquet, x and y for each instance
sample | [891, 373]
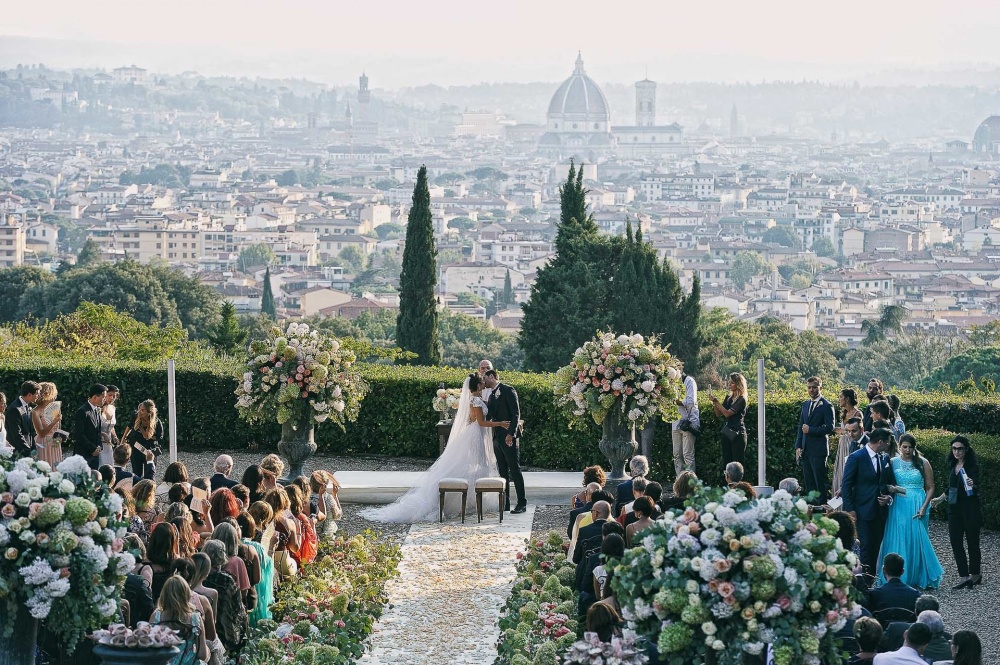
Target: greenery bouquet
[626, 377]
[61, 538]
[297, 375]
[730, 575]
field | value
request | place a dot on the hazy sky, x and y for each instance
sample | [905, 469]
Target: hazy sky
[452, 42]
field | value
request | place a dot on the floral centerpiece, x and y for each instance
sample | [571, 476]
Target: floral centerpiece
[61, 538]
[592, 651]
[145, 636]
[620, 382]
[445, 401]
[730, 575]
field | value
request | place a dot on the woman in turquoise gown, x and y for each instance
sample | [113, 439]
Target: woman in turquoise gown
[265, 587]
[906, 531]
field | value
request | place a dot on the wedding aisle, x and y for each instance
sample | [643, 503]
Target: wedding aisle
[454, 579]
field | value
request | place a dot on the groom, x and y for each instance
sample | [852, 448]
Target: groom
[865, 490]
[503, 405]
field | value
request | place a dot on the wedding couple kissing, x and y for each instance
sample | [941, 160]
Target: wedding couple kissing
[485, 441]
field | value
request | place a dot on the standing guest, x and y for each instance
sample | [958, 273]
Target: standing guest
[644, 513]
[874, 392]
[906, 531]
[324, 491]
[485, 366]
[898, 427]
[848, 411]
[174, 610]
[253, 478]
[263, 517]
[265, 585]
[223, 467]
[46, 443]
[865, 490]
[965, 513]
[144, 435]
[17, 421]
[966, 649]
[686, 428]
[231, 616]
[638, 467]
[87, 427]
[812, 448]
[916, 639]
[734, 409]
[275, 466]
[591, 474]
[109, 437]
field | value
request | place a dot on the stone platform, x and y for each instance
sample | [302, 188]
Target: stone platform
[377, 487]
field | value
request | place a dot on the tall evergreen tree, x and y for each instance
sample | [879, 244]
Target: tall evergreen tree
[228, 336]
[508, 291]
[267, 305]
[416, 325]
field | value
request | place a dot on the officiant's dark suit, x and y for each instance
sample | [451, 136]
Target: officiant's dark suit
[17, 422]
[817, 416]
[503, 405]
[87, 427]
[867, 475]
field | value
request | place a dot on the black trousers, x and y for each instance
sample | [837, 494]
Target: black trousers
[870, 533]
[735, 450]
[964, 523]
[814, 477]
[509, 466]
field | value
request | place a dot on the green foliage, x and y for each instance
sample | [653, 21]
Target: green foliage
[823, 246]
[13, 283]
[267, 306]
[782, 235]
[977, 364]
[461, 224]
[416, 326]
[389, 231]
[987, 334]
[197, 304]
[228, 337]
[257, 255]
[907, 362]
[352, 258]
[746, 265]
[89, 255]
[165, 175]
[889, 323]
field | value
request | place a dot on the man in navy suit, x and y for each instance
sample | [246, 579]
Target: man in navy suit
[816, 421]
[87, 426]
[17, 421]
[637, 466]
[855, 430]
[894, 593]
[867, 475]
[223, 467]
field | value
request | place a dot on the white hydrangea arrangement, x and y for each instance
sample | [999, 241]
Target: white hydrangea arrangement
[61, 538]
[625, 377]
[730, 575]
[300, 374]
[446, 400]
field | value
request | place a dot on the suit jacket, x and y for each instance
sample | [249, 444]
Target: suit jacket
[503, 405]
[219, 480]
[821, 422]
[623, 495]
[904, 656]
[592, 530]
[86, 431]
[859, 444]
[585, 508]
[893, 594]
[20, 429]
[862, 485]
[121, 473]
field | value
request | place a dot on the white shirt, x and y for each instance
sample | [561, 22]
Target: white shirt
[903, 656]
[874, 457]
[689, 408]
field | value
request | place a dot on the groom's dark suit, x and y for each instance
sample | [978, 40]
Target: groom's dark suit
[862, 486]
[20, 429]
[87, 434]
[503, 405]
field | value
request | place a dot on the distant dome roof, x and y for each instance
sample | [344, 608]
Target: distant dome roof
[580, 95]
[987, 135]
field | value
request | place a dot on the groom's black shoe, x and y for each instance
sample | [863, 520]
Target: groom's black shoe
[519, 508]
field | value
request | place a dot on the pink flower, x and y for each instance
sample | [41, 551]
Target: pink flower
[298, 377]
[832, 617]
[6, 497]
[721, 565]
[277, 364]
[618, 370]
[305, 393]
[784, 602]
[726, 589]
[8, 510]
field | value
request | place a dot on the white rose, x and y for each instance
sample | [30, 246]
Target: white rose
[338, 406]
[708, 628]
[67, 487]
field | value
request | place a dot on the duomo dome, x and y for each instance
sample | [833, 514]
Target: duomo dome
[579, 119]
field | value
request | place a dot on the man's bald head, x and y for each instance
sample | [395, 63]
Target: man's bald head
[601, 510]
[485, 366]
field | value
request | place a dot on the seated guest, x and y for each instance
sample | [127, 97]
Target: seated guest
[242, 495]
[187, 569]
[893, 593]
[892, 638]
[231, 616]
[611, 548]
[683, 488]
[265, 584]
[122, 475]
[939, 647]
[790, 485]
[734, 473]
[644, 513]
[638, 489]
[654, 491]
[585, 508]
[226, 534]
[161, 552]
[638, 468]
[144, 497]
[187, 541]
[224, 504]
[202, 484]
[746, 488]
[174, 610]
[600, 513]
[915, 641]
[203, 568]
[274, 466]
[592, 475]
[847, 533]
[253, 479]
[223, 467]
[966, 649]
[106, 472]
[603, 620]
[263, 517]
[867, 633]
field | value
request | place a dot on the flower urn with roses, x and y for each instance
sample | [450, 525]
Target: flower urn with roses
[62, 556]
[619, 382]
[299, 378]
[146, 645]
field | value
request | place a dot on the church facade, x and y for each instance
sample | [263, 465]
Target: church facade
[578, 123]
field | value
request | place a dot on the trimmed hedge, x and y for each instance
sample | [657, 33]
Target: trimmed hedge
[397, 419]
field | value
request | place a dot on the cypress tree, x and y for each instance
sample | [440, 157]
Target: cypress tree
[416, 325]
[508, 291]
[228, 336]
[267, 305]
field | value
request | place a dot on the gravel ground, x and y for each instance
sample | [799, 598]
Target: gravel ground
[975, 609]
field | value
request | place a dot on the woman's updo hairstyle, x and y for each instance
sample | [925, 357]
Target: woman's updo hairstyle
[474, 382]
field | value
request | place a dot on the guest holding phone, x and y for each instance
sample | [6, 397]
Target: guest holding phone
[965, 513]
[144, 435]
[733, 408]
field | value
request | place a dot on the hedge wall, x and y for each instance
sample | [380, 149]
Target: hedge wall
[397, 419]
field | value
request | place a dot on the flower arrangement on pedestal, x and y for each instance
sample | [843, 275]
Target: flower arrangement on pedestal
[446, 401]
[145, 636]
[301, 376]
[625, 377]
[730, 575]
[61, 540]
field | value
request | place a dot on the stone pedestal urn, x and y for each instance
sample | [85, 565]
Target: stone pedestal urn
[19, 648]
[110, 655]
[618, 445]
[297, 445]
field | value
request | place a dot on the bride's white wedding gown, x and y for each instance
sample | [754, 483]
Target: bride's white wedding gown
[468, 455]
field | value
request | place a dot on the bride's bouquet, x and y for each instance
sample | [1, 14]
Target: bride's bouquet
[446, 401]
[297, 375]
[625, 377]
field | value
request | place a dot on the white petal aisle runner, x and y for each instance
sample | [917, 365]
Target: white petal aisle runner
[454, 580]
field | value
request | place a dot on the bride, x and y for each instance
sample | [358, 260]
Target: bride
[468, 455]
